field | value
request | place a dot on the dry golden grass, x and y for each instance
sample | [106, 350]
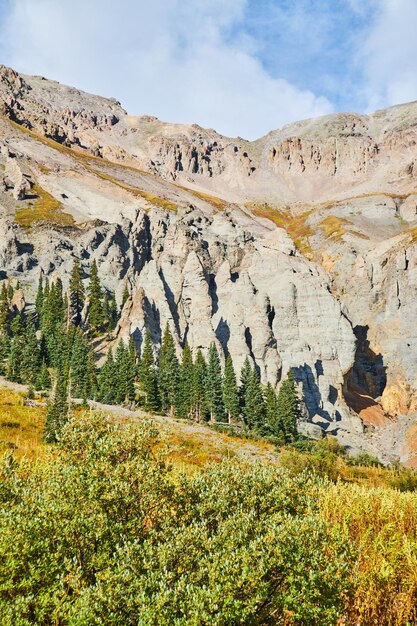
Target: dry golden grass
[217, 203]
[44, 208]
[382, 523]
[21, 427]
[295, 224]
[334, 228]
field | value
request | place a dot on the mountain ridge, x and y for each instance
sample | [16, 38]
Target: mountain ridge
[198, 224]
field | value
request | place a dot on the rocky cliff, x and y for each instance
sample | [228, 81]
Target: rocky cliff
[298, 249]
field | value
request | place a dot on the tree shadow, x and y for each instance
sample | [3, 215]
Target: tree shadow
[313, 400]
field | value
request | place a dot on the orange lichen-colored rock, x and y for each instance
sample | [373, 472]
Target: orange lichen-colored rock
[396, 398]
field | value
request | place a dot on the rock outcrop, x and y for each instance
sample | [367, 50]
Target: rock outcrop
[298, 250]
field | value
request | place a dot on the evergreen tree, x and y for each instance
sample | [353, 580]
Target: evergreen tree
[57, 411]
[214, 395]
[271, 412]
[43, 380]
[230, 391]
[112, 312]
[16, 350]
[147, 374]
[245, 377]
[76, 293]
[4, 353]
[184, 405]
[96, 316]
[106, 380]
[168, 378]
[254, 404]
[288, 408]
[4, 311]
[10, 290]
[199, 405]
[125, 369]
[60, 309]
[58, 343]
[79, 366]
[39, 297]
[30, 355]
[53, 308]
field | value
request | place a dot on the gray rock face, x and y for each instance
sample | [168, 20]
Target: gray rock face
[211, 280]
[188, 219]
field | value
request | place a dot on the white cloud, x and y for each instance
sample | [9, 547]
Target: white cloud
[389, 54]
[182, 61]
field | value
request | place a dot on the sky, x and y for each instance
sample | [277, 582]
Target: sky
[242, 67]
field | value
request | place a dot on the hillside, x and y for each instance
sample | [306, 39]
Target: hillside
[296, 250]
[118, 514]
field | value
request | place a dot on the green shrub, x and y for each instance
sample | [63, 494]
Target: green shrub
[406, 480]
[106, 534]
[364, 459]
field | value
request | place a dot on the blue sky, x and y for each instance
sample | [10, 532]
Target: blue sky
[243, 67]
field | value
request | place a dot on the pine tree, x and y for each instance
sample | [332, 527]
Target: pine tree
[147, 374]
[254, 404]
[39, 297]
[53, 308]
[214, 395]
[199, 405]
[96, 312]
[30, 355]
[245, 377]
[4, 311]
[43, 380]
[60, 310]
[168, 372]
[4, 353]
[106, 380]
[112, 312]
[288, 408]
[57, 411]
[125, 374]
[271, 412]
[10, 290]
[16, 350]
[79, 366]
[58, 342]
[76, 293]
[230, 391]
[184, 405]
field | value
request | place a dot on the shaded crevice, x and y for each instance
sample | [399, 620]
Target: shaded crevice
[248, 340]
[270, 312]
[223, 335]
[364, 384]
[173, 309]
[213, 293]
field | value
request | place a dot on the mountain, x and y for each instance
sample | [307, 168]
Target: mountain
[297, 250]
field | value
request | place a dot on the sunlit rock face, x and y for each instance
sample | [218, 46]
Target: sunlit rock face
[297, 250]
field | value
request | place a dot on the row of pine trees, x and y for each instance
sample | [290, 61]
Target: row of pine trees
[52, 347]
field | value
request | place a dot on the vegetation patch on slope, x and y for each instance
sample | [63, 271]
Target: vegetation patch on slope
[334, 228]
[148, 196]
[43, 208]
[105, 532]
[215, 201]
[21, 426]
[295, 224]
